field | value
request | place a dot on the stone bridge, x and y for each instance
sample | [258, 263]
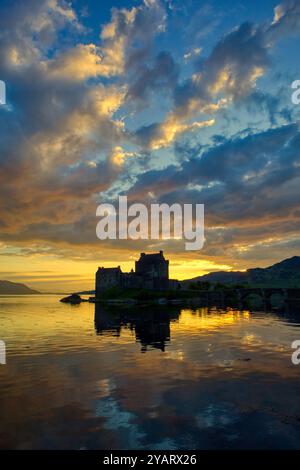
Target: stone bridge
[284, 296]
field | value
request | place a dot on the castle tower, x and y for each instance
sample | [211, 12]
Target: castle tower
[154, 269]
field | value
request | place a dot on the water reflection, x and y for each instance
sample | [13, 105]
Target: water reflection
[151, 326]
[211, 378]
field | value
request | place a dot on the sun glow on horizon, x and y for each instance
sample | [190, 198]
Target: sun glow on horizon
[48, 274]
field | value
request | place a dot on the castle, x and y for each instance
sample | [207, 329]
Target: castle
[151, 272]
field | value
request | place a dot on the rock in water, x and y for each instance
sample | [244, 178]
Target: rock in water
[72, 299]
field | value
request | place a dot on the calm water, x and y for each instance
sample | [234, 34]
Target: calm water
[161, 378]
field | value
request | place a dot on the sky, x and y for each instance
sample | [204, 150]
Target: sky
[163, 101]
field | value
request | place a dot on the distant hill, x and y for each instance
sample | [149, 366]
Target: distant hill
[15, 288]
[283, 274]
[86, 292]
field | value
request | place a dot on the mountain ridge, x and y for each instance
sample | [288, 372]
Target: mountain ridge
[15, 288]
[286, 273]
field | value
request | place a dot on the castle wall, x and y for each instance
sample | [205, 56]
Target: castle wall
[132, 281]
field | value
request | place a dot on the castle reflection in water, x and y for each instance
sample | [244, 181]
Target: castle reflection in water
[151, 326]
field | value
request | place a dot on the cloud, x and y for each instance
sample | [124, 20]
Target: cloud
[194, 52]
[27, 28]
[116, 49]
[80, 63]
[248, 183]
[59, 132]
[286, 20]
[157, 136]
[225, 77]
[220, 79]
[237, 162]
[128, 27]
[61, 142]
[119, 156]
[224, 74]
[163, 75]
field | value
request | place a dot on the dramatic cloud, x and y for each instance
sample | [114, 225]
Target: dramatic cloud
[220, 79]
[230, 72]
[248, 185]
[127, 107]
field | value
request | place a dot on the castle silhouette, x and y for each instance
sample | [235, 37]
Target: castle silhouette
[151, 272]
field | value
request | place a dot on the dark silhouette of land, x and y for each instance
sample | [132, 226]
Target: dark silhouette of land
[15, 288]
[285, 274]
